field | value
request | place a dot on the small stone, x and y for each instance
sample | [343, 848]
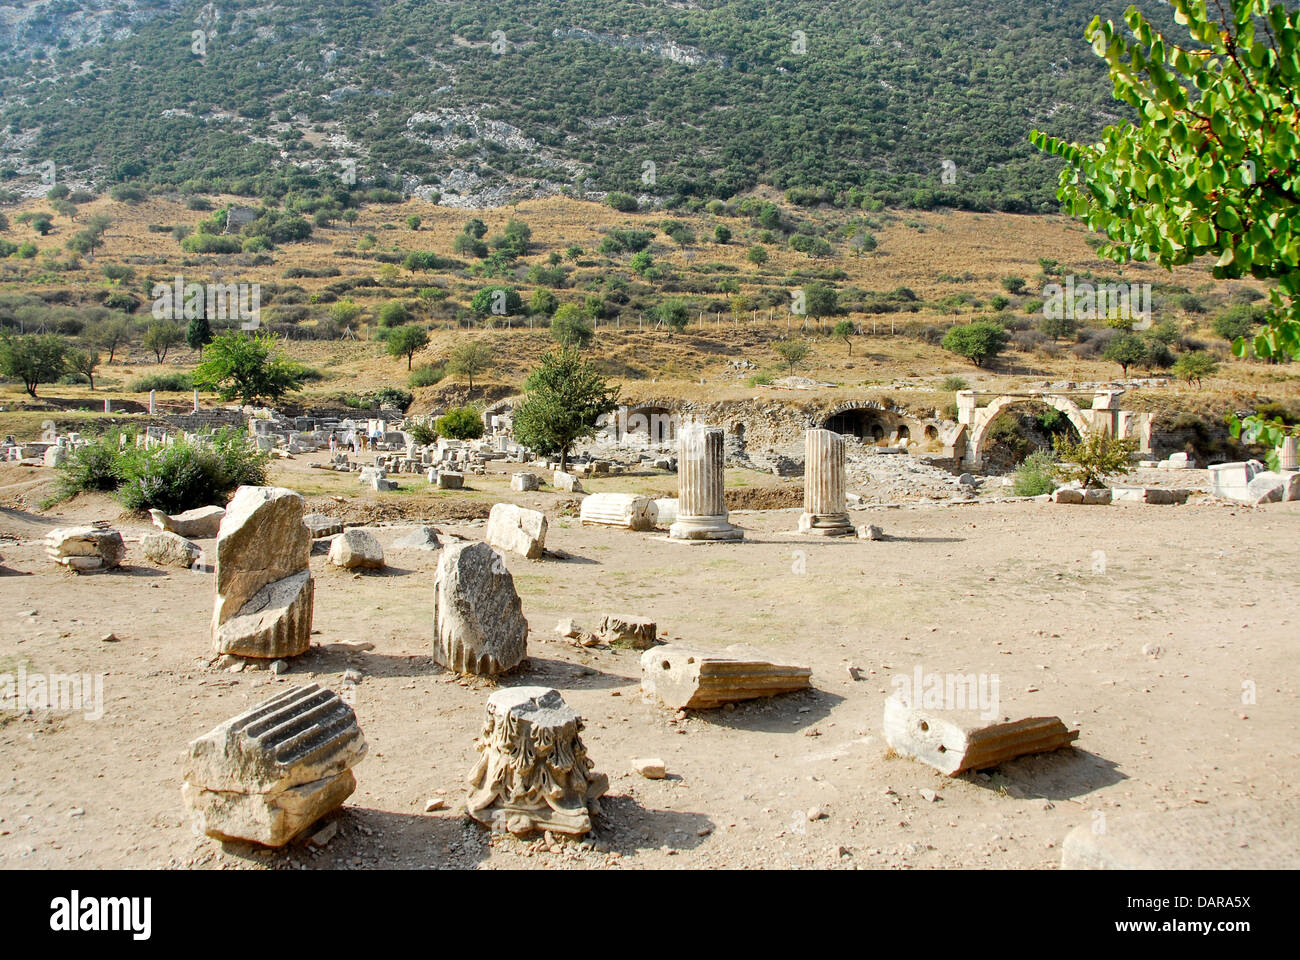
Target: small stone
[651, 769]
[815, 813]
[929, 795]
[109, 638]
[76, 812]
[435, 804]
[279, 667]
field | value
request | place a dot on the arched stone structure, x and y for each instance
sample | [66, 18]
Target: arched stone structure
[1104, 417]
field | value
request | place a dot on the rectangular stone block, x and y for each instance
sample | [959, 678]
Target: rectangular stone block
[686, 678]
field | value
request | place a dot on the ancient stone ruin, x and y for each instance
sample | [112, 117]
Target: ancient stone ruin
[824, 512]
[953, 741]
[264, 587]
[629, 511]
[685, 678]
[271, 772]
[85, 549]
[478, 621]
[356, 549]
[517, 529]
[701, 506]
[533, 772]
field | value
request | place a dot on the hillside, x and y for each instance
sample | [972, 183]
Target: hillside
[861, 103]
[929, 272]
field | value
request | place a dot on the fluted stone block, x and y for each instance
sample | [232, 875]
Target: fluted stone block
[823, 492]
[701, 503]
[627, 510]
[533, 772]
[683, 677]
[269, 773]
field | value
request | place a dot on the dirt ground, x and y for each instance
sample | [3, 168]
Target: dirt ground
[1140, 625]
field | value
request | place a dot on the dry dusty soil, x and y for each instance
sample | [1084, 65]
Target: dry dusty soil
[1143, 626]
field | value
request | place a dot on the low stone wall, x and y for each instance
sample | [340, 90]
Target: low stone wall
[207, 420]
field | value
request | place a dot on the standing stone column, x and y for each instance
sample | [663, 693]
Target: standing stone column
[823, 487]
[1287, 458]
[701, 507]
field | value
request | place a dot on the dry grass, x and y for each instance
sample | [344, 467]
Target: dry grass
[915, 250]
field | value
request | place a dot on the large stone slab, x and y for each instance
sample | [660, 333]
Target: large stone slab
[1260, 835]
[953, 741]
[517, 529]
[533, 772]
[170, 549]
[1232, 480]
[356, 549]
[200, 523]
[269, 773]
[1270, 486]
[682, 677]
[478, 621]
[85, 549]
[566, 482]
[629, 511]
[264, 590]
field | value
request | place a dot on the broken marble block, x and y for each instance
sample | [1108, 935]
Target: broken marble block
[478, 621]
[566, 482]
[1259, 835]
[200, 523]
[264, 587]
[170, 549]
[524, 482]
[85, 549]
[666, 511]
[322, 525]
[686, 678]
[953, 741]
[619, 630]
[517, 529]
[271, 772]
[1152, 495]
[1269, 486]
[356, 549]
[450, 480]
[533, 772]
[1086, 497]
[627, 510]
[420, 538]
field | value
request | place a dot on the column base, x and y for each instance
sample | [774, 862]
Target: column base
[704, 528]
[825, 524]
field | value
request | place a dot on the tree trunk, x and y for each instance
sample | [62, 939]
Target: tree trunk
[564, 457]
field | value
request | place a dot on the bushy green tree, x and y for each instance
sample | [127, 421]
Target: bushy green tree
[1126, 349]
[469, 360]
[249, 368]
[564, 401]
[33, 359]
[1195, 366]
[571, 327]
[407, 342]
[461, 423]
[980, 343]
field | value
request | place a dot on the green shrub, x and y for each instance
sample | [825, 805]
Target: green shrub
[186, 475]
[88, 469]
[1034, 477]
[162, 382]
[954, 384]
[461, 423]
[425, 376]
[422, 433]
